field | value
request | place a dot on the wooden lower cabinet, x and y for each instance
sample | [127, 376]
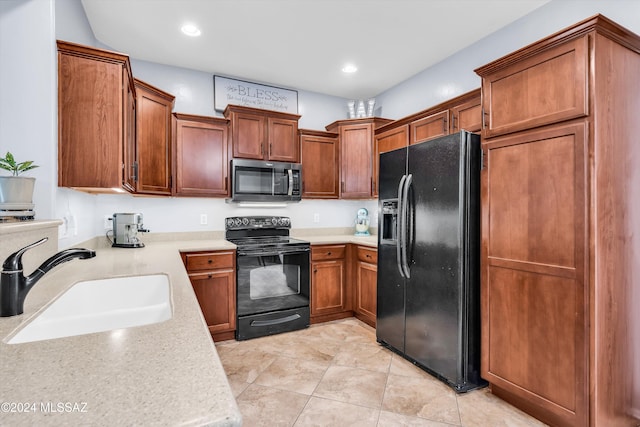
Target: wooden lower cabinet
[329, 299]
[343, 282]
[213, 277]
[366, 283]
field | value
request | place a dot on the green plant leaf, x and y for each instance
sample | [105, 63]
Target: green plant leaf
[10, 160]
[9, 163]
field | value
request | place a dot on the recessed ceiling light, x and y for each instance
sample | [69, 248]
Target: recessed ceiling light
[191, 30]
[349, 69]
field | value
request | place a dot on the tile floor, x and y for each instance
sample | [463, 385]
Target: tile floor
[335, 374]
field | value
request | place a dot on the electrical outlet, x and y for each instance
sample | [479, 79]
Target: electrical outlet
[316, 217]
[203, 219]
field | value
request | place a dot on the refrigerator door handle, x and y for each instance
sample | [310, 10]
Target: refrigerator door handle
[405, 231]
[399, 229]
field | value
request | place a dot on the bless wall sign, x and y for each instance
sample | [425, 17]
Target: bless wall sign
[237, 92]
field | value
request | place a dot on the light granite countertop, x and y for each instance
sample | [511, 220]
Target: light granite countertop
[167, 373]
[161, 374]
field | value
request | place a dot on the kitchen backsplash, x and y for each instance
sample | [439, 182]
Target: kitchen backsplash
[88, 213]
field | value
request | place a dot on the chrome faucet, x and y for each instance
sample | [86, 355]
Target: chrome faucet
[14, 286]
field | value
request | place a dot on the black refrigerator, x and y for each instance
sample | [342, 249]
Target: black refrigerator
[429, 257]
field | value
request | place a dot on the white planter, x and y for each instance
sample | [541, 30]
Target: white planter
[16, 189]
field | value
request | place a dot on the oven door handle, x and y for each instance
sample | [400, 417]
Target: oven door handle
[273, 253]
[262, 323]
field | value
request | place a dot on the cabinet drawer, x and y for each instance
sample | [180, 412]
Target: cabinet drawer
[366, 254]
[320, 253]
[547, 88]
[210, 260]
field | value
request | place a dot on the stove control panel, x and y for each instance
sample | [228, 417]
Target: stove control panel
[253, 222]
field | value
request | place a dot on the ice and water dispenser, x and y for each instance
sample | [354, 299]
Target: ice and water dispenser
[389, 221]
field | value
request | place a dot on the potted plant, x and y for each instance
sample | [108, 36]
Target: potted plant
[15, 189]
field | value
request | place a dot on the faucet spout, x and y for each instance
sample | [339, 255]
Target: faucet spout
[14, 286]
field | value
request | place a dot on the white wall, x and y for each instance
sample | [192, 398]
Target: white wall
[28, 93]
[183, 214]
[194, 94]
[455, 75]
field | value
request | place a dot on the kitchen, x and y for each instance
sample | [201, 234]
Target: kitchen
[85, 213]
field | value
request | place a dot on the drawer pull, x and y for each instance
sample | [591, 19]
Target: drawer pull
[210, 261]
[368, 256]
[328, 253]
[209, 276]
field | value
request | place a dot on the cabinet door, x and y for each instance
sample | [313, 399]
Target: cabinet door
[90, 128]
[129, 167]
[216, 293]
[388, 141]
[328, 287]
[201, 158]
[366, 285]
[429, 127]
[534, 279]
[467, 116]
[547, 88]
[248, 134]
[356, 143]
[153, 123]
[320, 173]
[284, 145]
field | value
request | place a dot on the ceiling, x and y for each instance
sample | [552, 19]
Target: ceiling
[302, 44]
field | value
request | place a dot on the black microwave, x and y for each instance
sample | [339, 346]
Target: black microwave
[260, 181]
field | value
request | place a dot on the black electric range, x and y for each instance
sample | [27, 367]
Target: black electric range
[272, 276]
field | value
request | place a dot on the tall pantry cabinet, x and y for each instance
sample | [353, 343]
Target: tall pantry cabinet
[561, 226]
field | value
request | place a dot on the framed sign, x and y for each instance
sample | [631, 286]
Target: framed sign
[231, 91]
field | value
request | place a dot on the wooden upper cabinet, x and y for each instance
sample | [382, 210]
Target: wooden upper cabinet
[388, 140]
[356, 156]
[153, 141]
[320, 164]
[356, 178]
[432, 126]
[392, 139]
[284, 145]
[95, 118]
[200, 145]
[546, 88]
[263, 134]
[467, 116]
[248, 133]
